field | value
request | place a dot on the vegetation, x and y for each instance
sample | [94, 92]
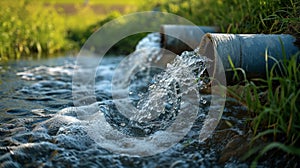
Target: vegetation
[26, 29]
[273, 104]
[118, 2]
[48, 27]
[124, 46]
[51, 26]
[237, 16]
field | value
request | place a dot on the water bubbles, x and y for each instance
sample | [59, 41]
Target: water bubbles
[203, 100]
[147, 131]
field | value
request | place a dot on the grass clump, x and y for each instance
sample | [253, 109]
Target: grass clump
[27, 29]
[49, 27]
[273, 104]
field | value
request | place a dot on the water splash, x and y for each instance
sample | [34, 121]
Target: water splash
[152, 40]
[147, 50]
[61, 137]
[169, 86]
[153, 107]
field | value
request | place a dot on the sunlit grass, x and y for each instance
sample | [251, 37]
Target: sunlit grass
[108, 2]
[27, 29]
[233, 16]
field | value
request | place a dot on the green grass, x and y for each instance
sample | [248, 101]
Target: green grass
[273, 104]
[107, 2]
[27, 29]
[119, 2]
[31, 27]
[237, 16]
[232, 16]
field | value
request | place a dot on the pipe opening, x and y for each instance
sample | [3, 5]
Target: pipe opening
[207, 49]
[179, 38]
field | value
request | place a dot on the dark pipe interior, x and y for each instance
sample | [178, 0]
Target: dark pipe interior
[207, 50]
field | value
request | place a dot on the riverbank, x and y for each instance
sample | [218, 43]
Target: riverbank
[53, 26]
[50, 27]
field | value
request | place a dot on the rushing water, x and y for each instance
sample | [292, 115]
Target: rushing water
[41, 127]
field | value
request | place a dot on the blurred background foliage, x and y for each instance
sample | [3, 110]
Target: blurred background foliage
[27, 28]
[52, 26]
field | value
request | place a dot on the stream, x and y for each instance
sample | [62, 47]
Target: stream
[41, 127]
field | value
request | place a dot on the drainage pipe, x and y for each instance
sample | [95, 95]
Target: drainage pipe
[172, 37]
[247, 51]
